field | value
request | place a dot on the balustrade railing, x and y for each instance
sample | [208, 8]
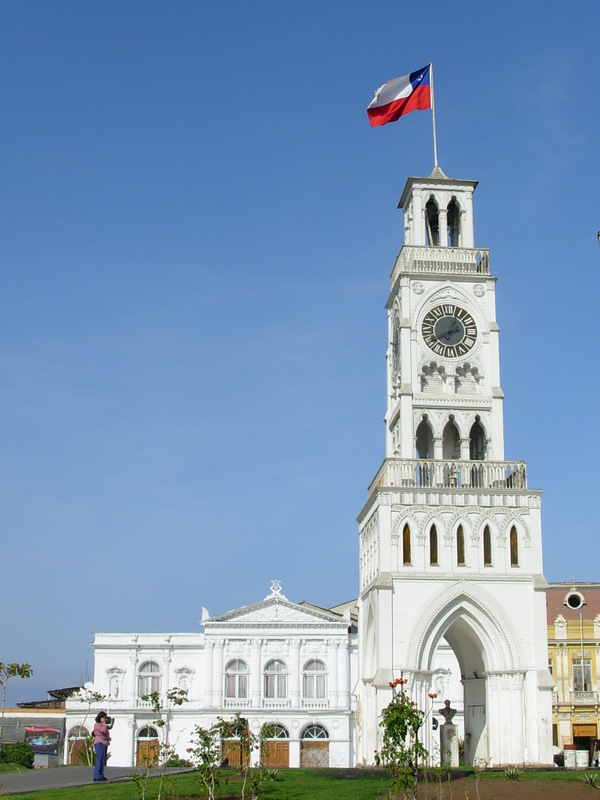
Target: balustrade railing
[236, 702]
[442, 259]
[430, 474]
[276, 702]
[584, 698]
[306, 703]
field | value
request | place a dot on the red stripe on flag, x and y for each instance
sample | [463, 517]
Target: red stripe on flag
[419, 100]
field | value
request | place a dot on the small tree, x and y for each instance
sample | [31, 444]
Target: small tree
[88, 696]
[166, 752]
[205, 753]
[401, 721]
[8, 671]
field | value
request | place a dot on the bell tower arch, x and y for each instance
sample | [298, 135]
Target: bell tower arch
[450, 535]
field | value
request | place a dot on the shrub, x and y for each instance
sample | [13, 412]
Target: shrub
[513, 773]
[591, 779]
[17, 753]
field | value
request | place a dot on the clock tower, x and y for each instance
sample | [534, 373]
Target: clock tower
[450, 536]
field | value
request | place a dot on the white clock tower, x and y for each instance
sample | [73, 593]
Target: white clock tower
[450, 536]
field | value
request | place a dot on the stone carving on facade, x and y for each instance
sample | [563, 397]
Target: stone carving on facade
[184, 676]
[433, 378]
[560, 627]
[467, 379]
[114, 677]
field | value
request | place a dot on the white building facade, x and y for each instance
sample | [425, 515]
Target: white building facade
[451, 585]
[273, 662]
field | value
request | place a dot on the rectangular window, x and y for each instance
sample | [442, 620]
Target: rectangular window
[314, 687]
[582, 678]
[276, 686]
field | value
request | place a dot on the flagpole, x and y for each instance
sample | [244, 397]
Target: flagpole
[435, 158]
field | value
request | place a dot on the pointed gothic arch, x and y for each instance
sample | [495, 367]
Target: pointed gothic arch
[406, 545]
[460, 546]
[433, 546]
[487, 546]
[453, 219]
[514, 546]
[432, 222]
[451, 440]
[477, 441]
[483, 640]
[424, 439]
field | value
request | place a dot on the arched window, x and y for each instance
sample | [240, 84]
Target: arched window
[315, 732]
[432, 223]
[406, 545]
[460, 546]
[433, 545]
[276, 680]
[148, 732]
[149, 676]
[451, 442]
[514, 547]
[236, 679]
[453, 224]
[487, 547]
[477, 444]
[424, 441]
[277, 731]
[314, 684]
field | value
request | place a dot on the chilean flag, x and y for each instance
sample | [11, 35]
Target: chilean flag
[400, 96]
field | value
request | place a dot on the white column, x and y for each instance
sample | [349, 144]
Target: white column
[443, 227]
[132, 740]
[344, 675]
[295, 672]
[332, 670]
[166, 676]
[217, 683]
[255, 672]
[208, 674]
[132, 690]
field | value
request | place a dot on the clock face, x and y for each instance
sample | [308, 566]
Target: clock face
[449, 330]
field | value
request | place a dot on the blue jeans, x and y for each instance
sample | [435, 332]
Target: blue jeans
[100, 761]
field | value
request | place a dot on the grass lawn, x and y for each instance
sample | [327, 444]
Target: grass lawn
[325, 784]
[12, 768]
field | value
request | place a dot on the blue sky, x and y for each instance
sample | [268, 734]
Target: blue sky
[197, 227]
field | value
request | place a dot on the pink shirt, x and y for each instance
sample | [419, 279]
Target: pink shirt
[101, 734]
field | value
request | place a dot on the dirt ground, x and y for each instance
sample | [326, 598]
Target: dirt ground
[498, 788]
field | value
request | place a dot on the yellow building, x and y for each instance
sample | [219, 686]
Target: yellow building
[573, 613]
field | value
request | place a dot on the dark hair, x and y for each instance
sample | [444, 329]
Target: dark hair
[100, 716]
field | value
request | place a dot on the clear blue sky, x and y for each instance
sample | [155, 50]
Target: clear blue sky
[197, 228]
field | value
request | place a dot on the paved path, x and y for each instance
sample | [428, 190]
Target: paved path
[61, 777]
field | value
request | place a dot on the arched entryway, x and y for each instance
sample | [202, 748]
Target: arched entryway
[483, 641]
[275, 750]
[80, 747]
[314, 750]
[147, 747]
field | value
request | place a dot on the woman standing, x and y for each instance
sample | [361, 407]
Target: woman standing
[101, 742]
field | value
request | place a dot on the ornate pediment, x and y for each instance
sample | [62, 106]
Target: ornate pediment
[275, 609]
